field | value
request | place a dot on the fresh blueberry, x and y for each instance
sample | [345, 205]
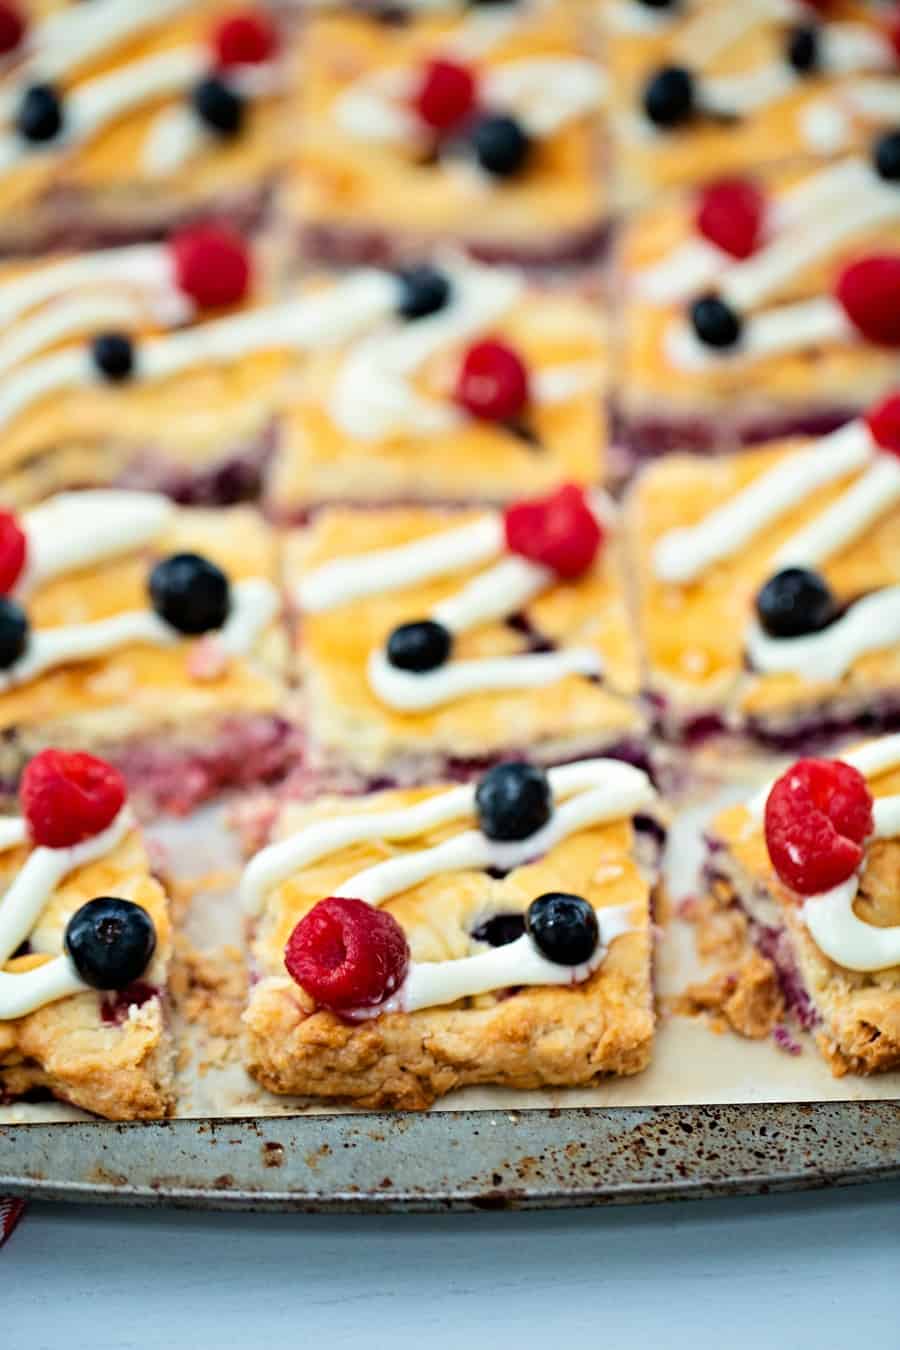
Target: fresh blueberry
[514, 801]
[803, 49]
[659, 4]
[190, 592]
[669, 97]
[40, 116]
[501, 145]
[113, 355]
[220, 106]
[715, 323]
[423, 291]
[13, 632]
[794, 602]
[887, 156]
[563, 927]
[420, 646]
[110, 942]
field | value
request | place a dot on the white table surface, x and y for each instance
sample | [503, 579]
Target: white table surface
[810, 1272]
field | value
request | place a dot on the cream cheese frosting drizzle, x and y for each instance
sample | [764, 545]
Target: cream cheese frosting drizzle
[408, 692]
[784, 329]
[597, 790]
[79, 529]
[683, 555]
[254, 603]
[144, 269]
[42, 872]
[869, 625]
[323, 318]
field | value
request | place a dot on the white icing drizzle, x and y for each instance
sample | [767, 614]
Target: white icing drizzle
[371, 395]
[712, 30]
[253, 605]
[872, 759]
[869, 625]
[21, 907]
[690, 268]
[503, 589]
[846, 519]
[784, 329]
[603, 789]
[175, 137]
[383, 570]
[70, 38]
[683, 555]
[429, 984]
[323, 318]
[97, 102]
[82, 315]
[407, 692]
[142, 267]
[78, 529]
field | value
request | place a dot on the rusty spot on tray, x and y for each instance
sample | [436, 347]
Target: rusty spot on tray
[101, 1176]
[315, 1157]
[224, 1183]
[272, 1154]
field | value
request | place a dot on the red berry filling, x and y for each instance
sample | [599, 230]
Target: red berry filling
[869, 291]
[884, 424]
[212, 265]
[446, 95]
[13, 26]
[13, 550]
[346, 954]
[731, 215]
[493, 382]
[817, 816]
[245, 39]
[560, 531]
[69, 797]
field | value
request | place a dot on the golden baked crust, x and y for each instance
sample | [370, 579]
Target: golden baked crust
[348, 723]
[860, 1012]
[116, 1066]
[848, 373]
[647, 160]
[693, 634]
[536, 1037]
[317, 461]
[339, 181]
[139, 689]
[102, 181]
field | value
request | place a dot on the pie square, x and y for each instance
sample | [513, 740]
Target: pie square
[792, 357]
[837, 955]
[716, 89]
[109, 1052]
[125, 119]
[544, 1031]
[100, 669]
[706, 535]
[372, 180]
[568, 675]
[377, 418]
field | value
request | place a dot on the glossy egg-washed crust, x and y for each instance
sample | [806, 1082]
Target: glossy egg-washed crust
[119, 1069]
[849, 373]
[102, 177]
[562, 720]
[317, 461]
[649, 159]
[339, 180]
[860, 1011]
[693, 634]
[144, 689]
[535, 1037]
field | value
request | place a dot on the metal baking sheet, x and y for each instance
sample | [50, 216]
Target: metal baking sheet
[467, 1160]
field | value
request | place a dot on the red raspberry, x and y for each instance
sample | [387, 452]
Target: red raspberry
[13, 27]
[13, 550]
[446, 95]
[346, 954]
[212, 265]
[68, 797]
[817, 816]
[869, 291]
[892, 32]
[884, 424]
[248, 38]
[559, 531]
[731, 214]
[493, 382]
